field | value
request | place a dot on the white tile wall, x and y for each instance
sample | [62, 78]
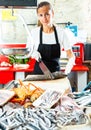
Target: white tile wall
[76, 11]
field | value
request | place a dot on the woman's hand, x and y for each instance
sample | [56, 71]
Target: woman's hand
[71, 61]
[69, 65]
[36, 55]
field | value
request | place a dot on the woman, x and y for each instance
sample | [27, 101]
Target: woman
[48, 40]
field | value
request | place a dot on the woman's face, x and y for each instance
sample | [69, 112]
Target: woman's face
[45, 15]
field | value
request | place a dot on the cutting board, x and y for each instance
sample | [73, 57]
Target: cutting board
[57, 84]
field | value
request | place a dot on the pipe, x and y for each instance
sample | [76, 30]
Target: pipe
[28, 32]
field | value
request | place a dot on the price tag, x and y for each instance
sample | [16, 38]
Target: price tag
[7, 14]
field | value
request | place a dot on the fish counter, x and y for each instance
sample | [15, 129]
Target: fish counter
[19, 118]
[41, 105]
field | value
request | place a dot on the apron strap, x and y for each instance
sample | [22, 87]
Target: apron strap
[56, 36]
[41, 34]
[55, 32]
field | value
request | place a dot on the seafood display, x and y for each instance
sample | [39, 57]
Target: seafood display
[33, 108]
[38, 118]
[23, 92]
[47, 99]
[83, 98]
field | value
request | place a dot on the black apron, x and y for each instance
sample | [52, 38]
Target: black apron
[50, 54]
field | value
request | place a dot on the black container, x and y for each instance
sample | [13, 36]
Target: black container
[87, 51]
[18, 3]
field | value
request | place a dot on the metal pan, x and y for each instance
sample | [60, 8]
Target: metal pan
[14, 51]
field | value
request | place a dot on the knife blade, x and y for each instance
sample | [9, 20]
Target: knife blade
[45, 70]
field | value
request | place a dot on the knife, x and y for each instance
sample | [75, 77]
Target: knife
[45, 70]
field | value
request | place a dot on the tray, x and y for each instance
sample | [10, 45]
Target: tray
[14, 51]
[5, 96]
